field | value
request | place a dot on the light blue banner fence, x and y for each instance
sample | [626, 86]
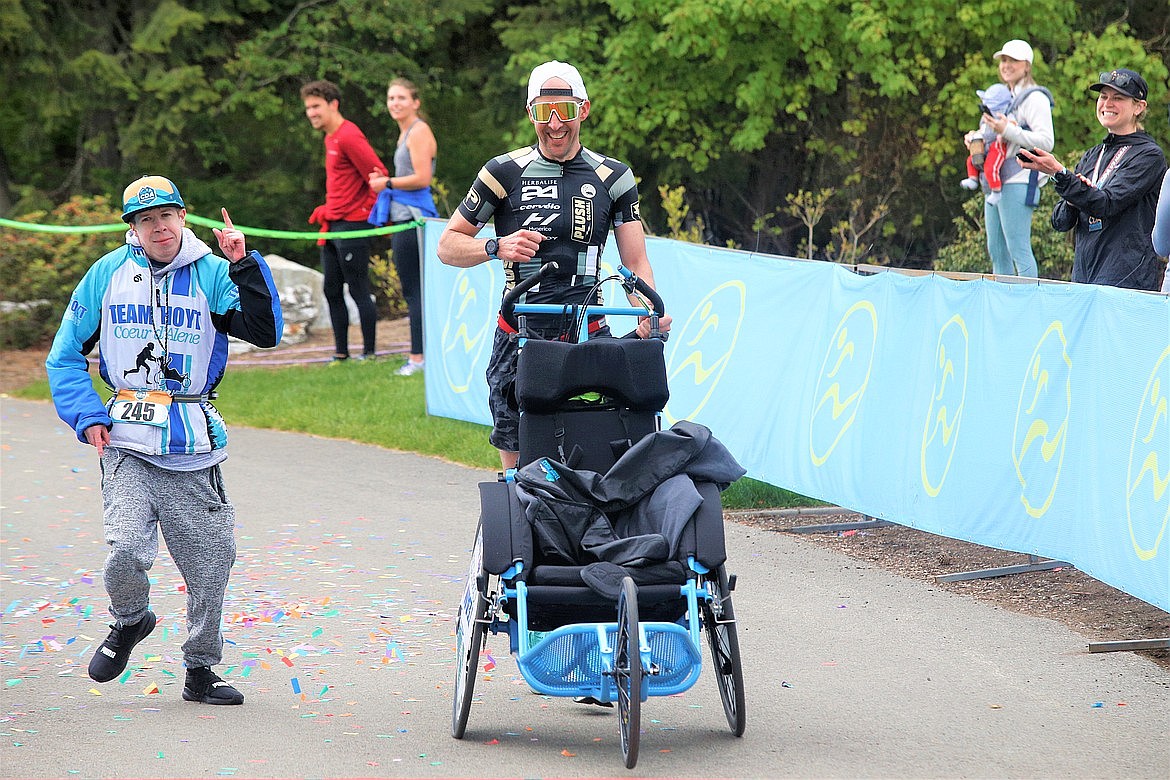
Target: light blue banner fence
[1028, 417]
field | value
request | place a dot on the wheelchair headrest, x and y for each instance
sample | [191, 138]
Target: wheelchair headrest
[631, 371]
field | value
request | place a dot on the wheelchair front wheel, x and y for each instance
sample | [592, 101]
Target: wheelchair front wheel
[627, 671]
[723, 641]
[470, 631]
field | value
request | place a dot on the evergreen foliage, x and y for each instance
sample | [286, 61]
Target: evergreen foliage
[740, 103]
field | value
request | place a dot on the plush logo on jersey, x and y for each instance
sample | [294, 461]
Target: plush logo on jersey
[582, 219]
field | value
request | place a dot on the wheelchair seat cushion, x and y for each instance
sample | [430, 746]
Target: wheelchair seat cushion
[604, 579]
[631, 371]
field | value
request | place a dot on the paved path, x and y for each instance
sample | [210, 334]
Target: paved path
[350, 564]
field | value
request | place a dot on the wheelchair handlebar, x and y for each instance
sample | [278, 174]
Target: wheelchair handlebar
[508, 305]
[641, 286]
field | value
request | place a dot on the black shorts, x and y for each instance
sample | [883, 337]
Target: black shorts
[501, 382]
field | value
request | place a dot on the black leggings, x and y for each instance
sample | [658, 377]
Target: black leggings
[346, 261]
[404, 244]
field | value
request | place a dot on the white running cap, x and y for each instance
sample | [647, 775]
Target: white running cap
[555, 69]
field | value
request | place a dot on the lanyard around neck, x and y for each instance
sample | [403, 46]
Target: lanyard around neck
[1099, 177]
[164, 313]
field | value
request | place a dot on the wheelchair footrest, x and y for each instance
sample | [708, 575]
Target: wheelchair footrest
[569, 661]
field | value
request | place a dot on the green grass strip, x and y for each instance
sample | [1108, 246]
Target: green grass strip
[364, 401]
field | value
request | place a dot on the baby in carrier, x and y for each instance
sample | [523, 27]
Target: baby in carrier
[987, 150]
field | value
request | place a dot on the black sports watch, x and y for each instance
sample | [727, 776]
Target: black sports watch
[492, 247]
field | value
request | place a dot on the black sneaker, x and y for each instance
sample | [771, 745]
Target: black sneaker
[591, 700]
[111, 658]
[205, 685]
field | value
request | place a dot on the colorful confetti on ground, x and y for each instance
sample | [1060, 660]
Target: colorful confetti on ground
[338, 630]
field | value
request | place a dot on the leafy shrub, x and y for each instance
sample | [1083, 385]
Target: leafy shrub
[387, 286]
[41, 269]
[680, 225]
[968, 252]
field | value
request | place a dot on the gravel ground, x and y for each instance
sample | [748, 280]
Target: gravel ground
[1065, 594]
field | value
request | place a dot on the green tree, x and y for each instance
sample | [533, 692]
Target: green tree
[205, 91]
[744, 103]
[740, 102]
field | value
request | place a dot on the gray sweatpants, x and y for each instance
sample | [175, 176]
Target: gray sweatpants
[197, 522]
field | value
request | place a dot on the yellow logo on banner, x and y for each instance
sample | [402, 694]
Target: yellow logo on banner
[844, 377]
[702, 349]
[467, 330]
[1041, 427]
[940, 434]
[1147, 502]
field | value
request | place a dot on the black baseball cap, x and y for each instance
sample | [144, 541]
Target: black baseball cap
[1125, 81]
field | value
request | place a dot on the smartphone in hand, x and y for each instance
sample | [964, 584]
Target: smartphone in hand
[1022, 155]
[983, 107]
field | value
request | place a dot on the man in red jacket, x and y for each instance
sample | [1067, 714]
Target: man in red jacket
[349, 160]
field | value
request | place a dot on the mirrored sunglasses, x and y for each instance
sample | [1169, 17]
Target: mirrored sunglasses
[1114, 77]
[567, 110]
[1122, 81]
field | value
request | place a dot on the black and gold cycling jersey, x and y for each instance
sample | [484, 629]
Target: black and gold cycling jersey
[573, 204]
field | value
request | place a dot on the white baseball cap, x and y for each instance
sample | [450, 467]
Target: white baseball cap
[1016, 49]
[555, 69]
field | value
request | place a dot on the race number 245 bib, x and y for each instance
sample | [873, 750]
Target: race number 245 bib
[141, 407]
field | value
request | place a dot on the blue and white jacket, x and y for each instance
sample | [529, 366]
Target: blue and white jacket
[160, 329]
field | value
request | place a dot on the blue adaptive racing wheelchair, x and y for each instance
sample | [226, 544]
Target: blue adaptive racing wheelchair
[602, 555]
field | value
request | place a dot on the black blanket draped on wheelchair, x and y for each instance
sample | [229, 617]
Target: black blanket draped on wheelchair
[630, 520]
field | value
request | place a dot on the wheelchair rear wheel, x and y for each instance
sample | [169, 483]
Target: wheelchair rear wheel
[627, 671]
[719, 622]
[470, 631]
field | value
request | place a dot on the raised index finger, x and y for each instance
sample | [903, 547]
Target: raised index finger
[227, 221]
